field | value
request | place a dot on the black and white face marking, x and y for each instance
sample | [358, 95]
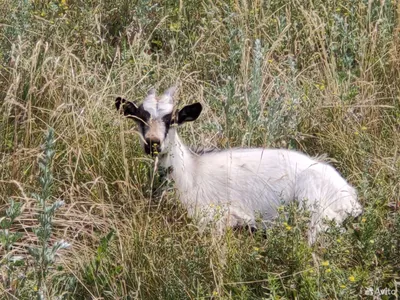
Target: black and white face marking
[154, 117]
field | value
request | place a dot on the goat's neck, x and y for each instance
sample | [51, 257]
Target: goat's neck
[178, 157]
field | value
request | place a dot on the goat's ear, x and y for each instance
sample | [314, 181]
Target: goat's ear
[189, 113]
[126, 107]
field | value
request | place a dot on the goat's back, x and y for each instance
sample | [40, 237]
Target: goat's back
[259, 180]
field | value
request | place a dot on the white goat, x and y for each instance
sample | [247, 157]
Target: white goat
[238, 184]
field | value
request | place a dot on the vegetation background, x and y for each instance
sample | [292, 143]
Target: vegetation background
[318, 76]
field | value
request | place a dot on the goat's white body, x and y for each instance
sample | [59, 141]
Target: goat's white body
[237, 186]
[251, 183]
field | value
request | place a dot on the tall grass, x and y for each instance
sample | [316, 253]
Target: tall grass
[321, 77]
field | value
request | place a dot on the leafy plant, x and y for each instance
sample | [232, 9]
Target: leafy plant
[44, 253]
[9, 260]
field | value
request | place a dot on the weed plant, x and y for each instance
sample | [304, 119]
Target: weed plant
[320, 77]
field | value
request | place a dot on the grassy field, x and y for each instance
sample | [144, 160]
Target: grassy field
[319, 76]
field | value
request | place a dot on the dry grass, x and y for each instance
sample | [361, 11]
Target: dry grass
[325, 81]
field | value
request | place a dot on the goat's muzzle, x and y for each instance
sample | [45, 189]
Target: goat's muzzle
[152, 147]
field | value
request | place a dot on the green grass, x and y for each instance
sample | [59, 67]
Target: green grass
[321, 77]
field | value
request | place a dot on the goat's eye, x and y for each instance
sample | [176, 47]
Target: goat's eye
[167, 119]
[140, 121]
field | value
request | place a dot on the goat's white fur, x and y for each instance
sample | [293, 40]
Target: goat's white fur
[249, 183]
[159, 107]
